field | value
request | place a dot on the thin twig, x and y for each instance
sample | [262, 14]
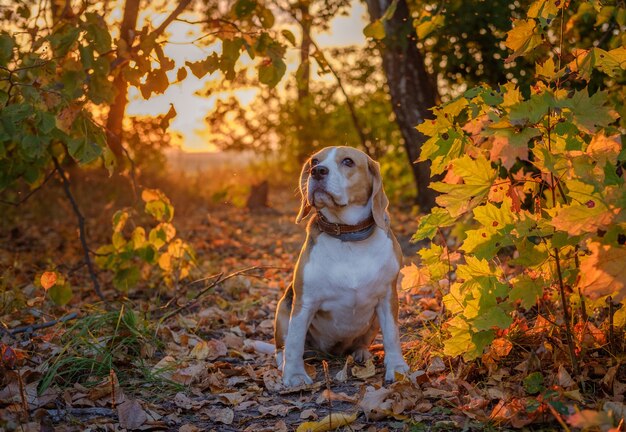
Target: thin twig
[564, 302]
[31, 328]
[217, 281]
[558, 417]
[29, 194]
[81, 226]
[330, 398]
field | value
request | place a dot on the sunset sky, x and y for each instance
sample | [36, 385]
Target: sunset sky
[192, 109]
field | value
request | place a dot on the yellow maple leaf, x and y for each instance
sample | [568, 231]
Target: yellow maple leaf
[414, 277]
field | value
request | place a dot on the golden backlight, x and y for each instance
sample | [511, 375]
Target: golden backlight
[192, 108]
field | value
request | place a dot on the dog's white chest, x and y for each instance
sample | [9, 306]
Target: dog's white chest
[349, 275]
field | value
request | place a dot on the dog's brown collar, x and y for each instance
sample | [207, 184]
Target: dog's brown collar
[345, 232]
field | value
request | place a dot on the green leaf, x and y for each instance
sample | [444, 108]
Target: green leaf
[483, 243]
[533, 110]
[527, 290]
[98, 33]
[6, 48]
[428, 224]
[33, 147]
[289, 36]
[266, 17]
[590, 112]
[533, 383]
[375, 30]
[244, 8]
[270, 73]
[61, 294]
[158, 205]
[231, 50]
[63, 39]
[126, 278]
[490, 318]
[84, 150]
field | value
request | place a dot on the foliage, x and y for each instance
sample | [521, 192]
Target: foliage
[463, 40]
[159, 246]
[536, 174]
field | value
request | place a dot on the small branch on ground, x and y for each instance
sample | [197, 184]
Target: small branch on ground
[31, 328]
[81, 226]
[219, 278]
[59, 415]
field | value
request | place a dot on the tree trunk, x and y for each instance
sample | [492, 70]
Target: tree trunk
[303, 78]
[411, 88]
[115, 119]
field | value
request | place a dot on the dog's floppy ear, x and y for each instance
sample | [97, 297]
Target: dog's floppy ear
[305, 207]
[380, 202]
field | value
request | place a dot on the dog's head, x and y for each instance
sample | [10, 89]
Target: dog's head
[345, 184]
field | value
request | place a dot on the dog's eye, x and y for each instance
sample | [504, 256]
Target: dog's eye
[348, 162]
[314, 162]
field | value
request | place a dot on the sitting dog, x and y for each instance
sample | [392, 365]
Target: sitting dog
[344, 284]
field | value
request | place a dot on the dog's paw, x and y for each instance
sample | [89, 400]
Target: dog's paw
[296, 379]
[279, 356]
[392, 368]
[361, 355]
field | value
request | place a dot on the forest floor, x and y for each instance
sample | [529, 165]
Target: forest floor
[203, 367]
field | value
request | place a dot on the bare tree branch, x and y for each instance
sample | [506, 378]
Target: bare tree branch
[81, 226]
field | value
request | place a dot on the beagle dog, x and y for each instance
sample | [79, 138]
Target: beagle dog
[344, 284]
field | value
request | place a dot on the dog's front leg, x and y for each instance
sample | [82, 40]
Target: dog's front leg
[294, 373]
[387, 317]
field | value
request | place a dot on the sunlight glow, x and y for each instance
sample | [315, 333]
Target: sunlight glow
[192, 108]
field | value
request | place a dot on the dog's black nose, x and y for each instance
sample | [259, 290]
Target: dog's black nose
[319, 171]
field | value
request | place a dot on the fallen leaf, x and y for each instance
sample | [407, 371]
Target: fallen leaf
[436, 366]
[564, 378]
[222, 415]
[368, 371]
[307, 414]
[329, 395]
[183, 401]
[131, 415]
[209, 350]
[342, 375]
[587, 419]
[328, 423]
[275, 410]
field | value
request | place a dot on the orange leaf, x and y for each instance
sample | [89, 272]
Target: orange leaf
[603, 271]
[48, 280]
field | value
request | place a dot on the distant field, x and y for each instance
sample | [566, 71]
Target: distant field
[189, 163]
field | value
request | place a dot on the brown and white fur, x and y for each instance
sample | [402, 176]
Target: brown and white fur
[342, 292]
